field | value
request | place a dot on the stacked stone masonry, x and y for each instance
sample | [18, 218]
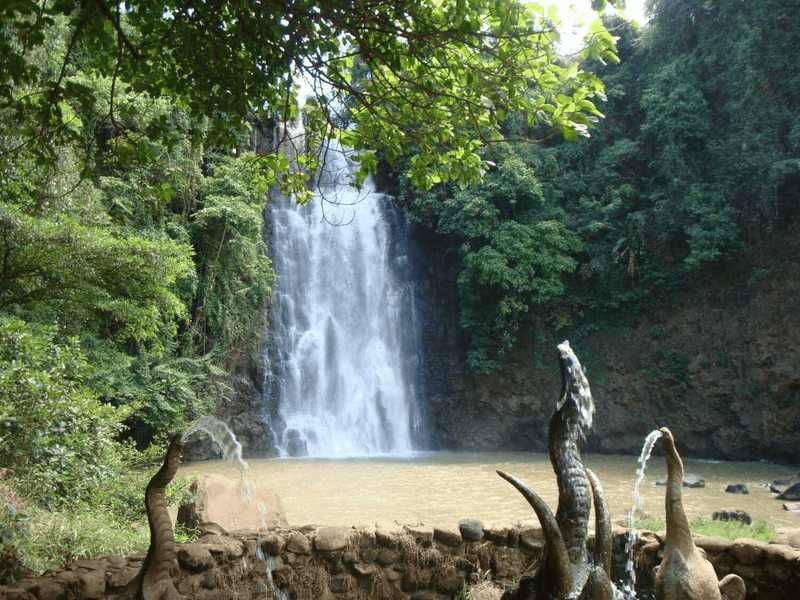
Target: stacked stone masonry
[395, 562]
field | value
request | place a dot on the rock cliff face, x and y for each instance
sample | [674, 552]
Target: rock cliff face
[718, 363]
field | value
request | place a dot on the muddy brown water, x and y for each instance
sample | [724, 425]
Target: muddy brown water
[444, 487]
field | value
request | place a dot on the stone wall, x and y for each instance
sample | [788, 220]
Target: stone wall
[396, 562]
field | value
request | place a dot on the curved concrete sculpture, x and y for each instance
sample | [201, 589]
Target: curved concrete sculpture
[154, 581]
[567, 570]
[685, 573]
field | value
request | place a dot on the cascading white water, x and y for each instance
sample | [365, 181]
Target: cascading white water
[340, 324]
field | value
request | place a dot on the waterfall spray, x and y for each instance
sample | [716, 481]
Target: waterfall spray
[342, 326]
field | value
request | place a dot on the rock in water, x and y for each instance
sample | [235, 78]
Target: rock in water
[689, 481]
[732, 514]
[791, 493]
[218, 499]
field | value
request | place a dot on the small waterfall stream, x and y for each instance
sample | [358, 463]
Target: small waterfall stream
[341, 367]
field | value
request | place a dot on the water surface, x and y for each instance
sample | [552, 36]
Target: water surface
[443, 487]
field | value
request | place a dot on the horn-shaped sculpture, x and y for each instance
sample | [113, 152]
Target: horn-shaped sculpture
[685, 573]
[154, 581]
[567, 569]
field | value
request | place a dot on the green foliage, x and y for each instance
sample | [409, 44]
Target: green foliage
[56, 267]
[760, 530]
[435, 74]
[235, 274]
[57, 438]
[41, 539]
[514, 248]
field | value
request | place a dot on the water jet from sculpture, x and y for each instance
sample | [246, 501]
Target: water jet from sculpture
[567, 571]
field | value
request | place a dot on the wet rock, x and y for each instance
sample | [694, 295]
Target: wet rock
[732, 514]
[222, 545]
[298, 543]
[778, 486]
[114, 560]
[93, 584]
[123, 577]
[791, 493]
[747, 552]
[295, 444]
[712, 544]
[387, 557]
[497, 533]
[421, 533]
[49, 590]
[209, 580]
[92, 564]
[386, 536]
[370, 555]
[737, 488]
[364, 569]
[689, 481]
[471, 530]
[782, 553]
[272, 544]
[211, 529]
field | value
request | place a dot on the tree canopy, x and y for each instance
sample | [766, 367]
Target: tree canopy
[135, 270]
[440, 74]
[697, 157]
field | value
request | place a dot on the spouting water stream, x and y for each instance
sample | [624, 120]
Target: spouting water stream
[633, 535]
[232, 452]
[341, 364]
[229, 446]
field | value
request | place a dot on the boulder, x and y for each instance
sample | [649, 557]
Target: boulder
[791, 493]
[447, 534]
[295, 444]
[690, 481]
[732, 514]
[471, 530]
[218, 499]
[788, 538]
[331, 539]
[778, 486]
[737, 488]
[195, 557]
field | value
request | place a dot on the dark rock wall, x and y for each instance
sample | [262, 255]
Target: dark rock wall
[718, 363]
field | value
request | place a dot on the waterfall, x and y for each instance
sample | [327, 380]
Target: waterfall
[343, 346]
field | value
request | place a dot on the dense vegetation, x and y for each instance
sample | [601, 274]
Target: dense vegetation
[134, 271]
[133, 266]
[698, 156]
